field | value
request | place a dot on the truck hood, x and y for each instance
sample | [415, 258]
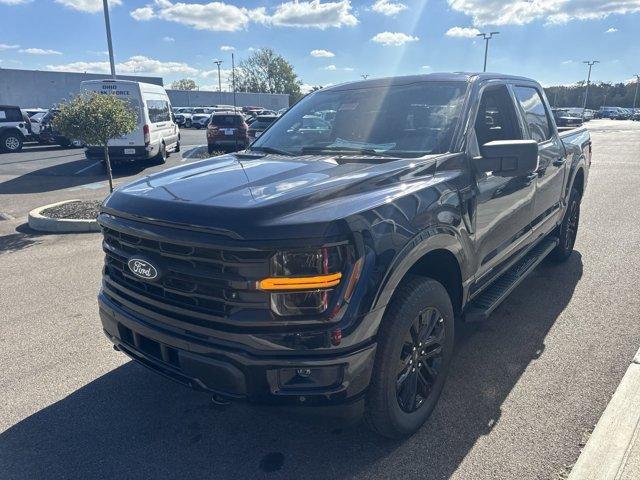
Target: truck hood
[268, 196]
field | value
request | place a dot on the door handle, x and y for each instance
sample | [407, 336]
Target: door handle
[559, 162]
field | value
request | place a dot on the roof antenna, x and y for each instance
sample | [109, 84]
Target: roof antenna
[235, 107]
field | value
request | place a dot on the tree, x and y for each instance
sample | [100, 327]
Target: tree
[184, 84]
[94, 119]
[600, 94]
[264, 71]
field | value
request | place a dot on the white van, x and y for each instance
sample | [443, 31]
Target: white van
[156, 133]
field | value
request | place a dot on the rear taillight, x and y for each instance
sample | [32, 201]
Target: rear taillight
[147, 135]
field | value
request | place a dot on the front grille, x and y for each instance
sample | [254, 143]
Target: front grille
[200, 285]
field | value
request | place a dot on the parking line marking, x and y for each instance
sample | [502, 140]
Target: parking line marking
[87, 168]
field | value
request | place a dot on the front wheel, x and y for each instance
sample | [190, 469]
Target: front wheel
[162, 155]
[568, 229]
[415, 345]
[11, 142]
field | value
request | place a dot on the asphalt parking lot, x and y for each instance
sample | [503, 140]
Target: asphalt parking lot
[525, 390]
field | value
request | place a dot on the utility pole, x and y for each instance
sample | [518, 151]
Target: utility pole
[107, 23]
[218, 62]
[635, 95]
[591, 63]
[487, 37]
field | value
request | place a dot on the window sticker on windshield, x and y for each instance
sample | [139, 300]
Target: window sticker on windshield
[348, 106]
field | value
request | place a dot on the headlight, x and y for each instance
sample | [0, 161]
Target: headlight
[302, 282]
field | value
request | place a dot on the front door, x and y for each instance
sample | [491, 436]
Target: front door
[503, 211]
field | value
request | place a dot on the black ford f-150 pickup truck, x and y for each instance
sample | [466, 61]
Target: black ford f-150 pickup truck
[326, 266]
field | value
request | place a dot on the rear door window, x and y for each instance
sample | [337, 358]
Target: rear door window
[158, 111]
[535, 112]
[11, 115]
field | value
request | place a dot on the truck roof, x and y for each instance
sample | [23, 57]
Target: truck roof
[429, 77]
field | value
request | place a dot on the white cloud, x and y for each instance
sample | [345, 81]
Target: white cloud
[142, 13]
[567, 62]
[425, 67]
[394, 39]
[135, 64]
[313, 13]
[330, 68]
[40, 51]
[462, 32]
[227, 48]
[388, 7]
[348, 69]
[88, 6]
[14, 2]
[168, 39]
[507, 12]
[322, 53]
[611, 30]
[6, 46]
[218, 16]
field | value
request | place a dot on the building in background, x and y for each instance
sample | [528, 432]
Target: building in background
[37, 88]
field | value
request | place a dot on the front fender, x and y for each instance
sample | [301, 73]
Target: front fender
[428, 240]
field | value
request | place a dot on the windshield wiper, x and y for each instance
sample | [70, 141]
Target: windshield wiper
[266, 149]
[357, 150]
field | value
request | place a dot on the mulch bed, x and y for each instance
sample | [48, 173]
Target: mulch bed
[79, 210]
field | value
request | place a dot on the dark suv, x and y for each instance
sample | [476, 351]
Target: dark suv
[227, 131]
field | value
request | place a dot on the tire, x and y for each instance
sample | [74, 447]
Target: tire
[211, 148]
[401, 396]
[187, 124]
[162, 154]
[177, 149]
[568, 229]
[11, 142]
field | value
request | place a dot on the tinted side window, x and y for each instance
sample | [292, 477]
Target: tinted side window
[158, 111]
[535, 113]
[11, 115]
[496, 119]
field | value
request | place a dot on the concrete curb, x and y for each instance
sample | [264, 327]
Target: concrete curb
[613, 450]
[60, 225]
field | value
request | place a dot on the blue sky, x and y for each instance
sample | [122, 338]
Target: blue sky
[543, 39]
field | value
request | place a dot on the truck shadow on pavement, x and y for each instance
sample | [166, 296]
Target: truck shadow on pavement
[130, 423]
[67, 175]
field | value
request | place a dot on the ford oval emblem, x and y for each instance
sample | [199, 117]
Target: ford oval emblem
[142, 268]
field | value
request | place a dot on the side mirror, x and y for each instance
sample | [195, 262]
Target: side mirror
[508, 158]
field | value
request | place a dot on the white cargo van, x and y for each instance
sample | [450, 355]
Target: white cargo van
[156, 133]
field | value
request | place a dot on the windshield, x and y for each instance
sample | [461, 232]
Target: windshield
[403, 120]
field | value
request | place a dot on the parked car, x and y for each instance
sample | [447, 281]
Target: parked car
[565, 119]
[155, 135]
[326, 268]
[182, 116]
[608, 112]
[636, 114]
[227, 131]
[47, 132]
[15, 128]
[36, 123]
[200, 120]
[260, 124]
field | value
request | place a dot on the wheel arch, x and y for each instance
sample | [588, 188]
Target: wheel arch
[436, 253]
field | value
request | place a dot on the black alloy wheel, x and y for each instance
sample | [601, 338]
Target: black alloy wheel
[420, 359]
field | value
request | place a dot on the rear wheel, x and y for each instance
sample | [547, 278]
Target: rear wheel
[162, 155]
[412, 359]
[187, 124]
[568, 229]
[11, 142]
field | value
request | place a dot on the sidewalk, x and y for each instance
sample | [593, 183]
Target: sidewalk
[613, 450]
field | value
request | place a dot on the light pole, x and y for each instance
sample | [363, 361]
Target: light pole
[591, 63]
[635, 95]
[487, 37]
[218, 62]
[107, 23]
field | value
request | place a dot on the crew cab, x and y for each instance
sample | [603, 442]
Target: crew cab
[325, 266]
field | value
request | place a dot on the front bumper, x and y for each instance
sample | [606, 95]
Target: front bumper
[273, 377]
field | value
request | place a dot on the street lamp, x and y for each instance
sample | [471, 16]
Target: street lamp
[635, 95]
[591, 63]
[365, 76]
[218, 62]
[107, 23]
[487, 37]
